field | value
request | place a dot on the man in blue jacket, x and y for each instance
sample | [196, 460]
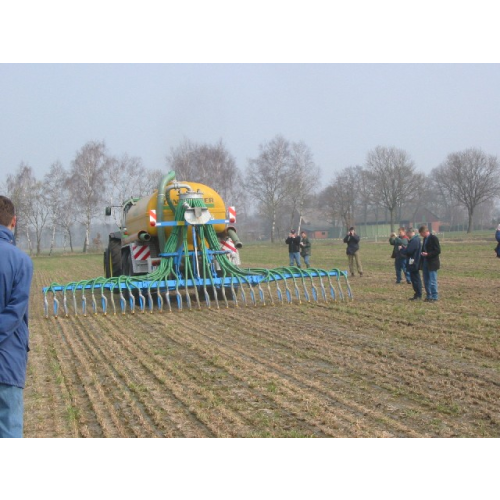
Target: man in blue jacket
[412, 251]
[16, 271]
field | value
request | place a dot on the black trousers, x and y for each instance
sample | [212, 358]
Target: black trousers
[416, 282]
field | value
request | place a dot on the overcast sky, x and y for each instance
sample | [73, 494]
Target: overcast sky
[341, 111]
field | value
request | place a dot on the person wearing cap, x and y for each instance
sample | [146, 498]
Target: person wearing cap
[352, 251]
[412, 252]
[293, 242]
[497, 237]
[430, 262]
[305, 248]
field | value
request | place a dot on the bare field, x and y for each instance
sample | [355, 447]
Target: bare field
[378, 366]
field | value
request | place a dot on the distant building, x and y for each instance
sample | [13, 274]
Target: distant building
[425, 216]
[317, 233]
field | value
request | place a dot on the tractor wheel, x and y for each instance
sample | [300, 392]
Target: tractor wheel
[112, 259]
[107, 271]
[126, 260]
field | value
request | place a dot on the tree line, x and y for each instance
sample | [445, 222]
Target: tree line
[280, 185]
[467, 181]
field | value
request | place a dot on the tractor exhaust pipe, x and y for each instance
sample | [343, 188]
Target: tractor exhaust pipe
[141, 236]
[231, 232]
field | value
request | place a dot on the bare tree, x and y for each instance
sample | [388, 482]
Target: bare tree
[18, 187]
[62, 212]
[484, 214]
[269, 179]
[211, 165]
[496, 215]
[38, 211]
[365, 192]
[394, 178]
[152, 180]
[29, 196]
[126, 178]
[182, 160]
[87, 183]
[341, 195]
[471, 177]
[443, 199]
[305, 174]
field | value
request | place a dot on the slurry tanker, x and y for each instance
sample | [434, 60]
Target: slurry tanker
[177, 249]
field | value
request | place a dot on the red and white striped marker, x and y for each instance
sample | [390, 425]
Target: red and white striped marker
[228, 245]
[232, 214]
[152, 218]
[140, 252]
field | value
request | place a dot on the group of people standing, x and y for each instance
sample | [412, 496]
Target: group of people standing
[298, 246]
[413, 255]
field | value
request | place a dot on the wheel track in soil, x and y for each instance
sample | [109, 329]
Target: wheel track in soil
[419, 345]
[144, 410]
[443, 331]
[419, 395]
[52, 397]
[44, 396]
[430, 367]
[487, 402]
[420, 361]
[191, 329]
[247, 373]
[130, 378]
[145, 347]
[188, 374]
[95, 415]
[232, 412]
[350, 411]
[120, 397]
[114, 416]
[184, 393]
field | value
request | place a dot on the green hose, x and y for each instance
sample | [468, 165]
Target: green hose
[160, 203]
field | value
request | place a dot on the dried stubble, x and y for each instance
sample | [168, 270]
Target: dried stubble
[375, 367]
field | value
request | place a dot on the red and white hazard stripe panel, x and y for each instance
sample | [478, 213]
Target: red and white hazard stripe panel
[152, 218]
[140, 252]
[228, 245]
[231, 212]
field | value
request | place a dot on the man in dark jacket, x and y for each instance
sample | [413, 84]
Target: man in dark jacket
[305, 248]
[399, 258]
[293, 242]
[412, 251]
[352, 251]
[430, 263]
[16, 270]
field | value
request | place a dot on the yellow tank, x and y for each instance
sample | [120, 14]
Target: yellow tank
[139, 217]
